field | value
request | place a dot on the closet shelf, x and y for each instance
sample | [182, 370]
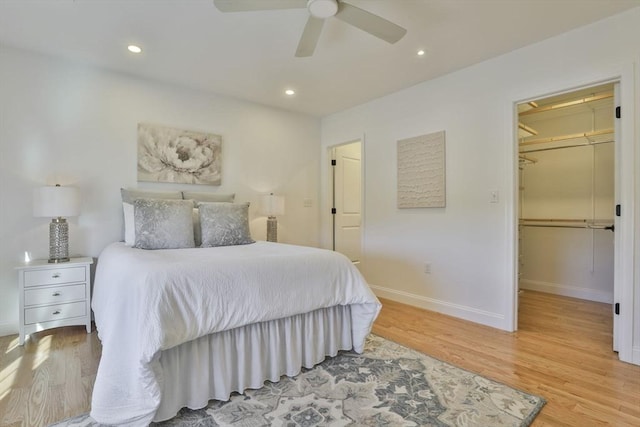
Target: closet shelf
[526, 159]
[568, 141]
[525, 131]
[572, 103]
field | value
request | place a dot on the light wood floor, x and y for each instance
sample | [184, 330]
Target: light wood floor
[562, 352]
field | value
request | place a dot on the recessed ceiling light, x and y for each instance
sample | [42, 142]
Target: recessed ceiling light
[134, 49]
[290, 92]
[421, 52]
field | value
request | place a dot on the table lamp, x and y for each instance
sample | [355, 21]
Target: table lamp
[272, 206]
[57, 202]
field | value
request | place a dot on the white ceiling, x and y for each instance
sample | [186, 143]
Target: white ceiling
[250, 55]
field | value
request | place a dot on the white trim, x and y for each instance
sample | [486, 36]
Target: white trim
[567, 291]
[511, 207]
[635, 359]
[471, 314]
[626, 75]
[330, 154]
[628, 199]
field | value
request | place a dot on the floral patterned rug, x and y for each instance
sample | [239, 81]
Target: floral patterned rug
[387, 385]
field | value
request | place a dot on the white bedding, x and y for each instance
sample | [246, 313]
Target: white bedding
[148, 301]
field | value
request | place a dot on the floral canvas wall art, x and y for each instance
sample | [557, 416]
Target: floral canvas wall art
[180, 156]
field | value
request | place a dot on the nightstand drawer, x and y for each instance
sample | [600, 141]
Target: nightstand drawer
[54, 276]
[54, 312]
[55, 295]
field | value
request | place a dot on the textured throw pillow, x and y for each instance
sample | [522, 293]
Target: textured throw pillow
[224, 224]
[163, 224]
[128, 196]
[208, 197]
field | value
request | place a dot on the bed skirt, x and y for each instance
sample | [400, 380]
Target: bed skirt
[214, 366]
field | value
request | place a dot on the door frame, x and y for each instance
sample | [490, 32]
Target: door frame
[330, 199]
[625, 279]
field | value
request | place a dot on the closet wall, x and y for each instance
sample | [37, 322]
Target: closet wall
[567, 195]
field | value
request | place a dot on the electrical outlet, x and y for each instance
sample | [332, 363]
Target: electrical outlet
[307, 203]
[427, 268]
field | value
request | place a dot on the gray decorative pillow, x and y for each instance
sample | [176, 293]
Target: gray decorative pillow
[128, 196]
[224, 224]
[208, 197]
[163, 224]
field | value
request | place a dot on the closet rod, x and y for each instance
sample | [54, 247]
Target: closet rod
[565, 220]
[566, 137]
[588, 226]
[583, 144]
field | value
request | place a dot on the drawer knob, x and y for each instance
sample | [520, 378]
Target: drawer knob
[55, 294]
[56, 312]
[55, 275]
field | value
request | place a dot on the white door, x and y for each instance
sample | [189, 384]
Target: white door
[347, 200]
[617, 291]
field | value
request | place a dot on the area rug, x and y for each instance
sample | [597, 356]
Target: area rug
[387, 385]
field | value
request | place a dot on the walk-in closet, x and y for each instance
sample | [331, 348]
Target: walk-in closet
[566, 179]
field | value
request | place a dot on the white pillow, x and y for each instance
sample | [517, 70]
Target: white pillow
[208, 197]
[129, 224]
[197, 231]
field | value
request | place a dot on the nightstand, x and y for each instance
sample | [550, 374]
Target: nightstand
[54, 295]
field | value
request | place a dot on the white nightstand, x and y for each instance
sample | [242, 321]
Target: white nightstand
[54, 295]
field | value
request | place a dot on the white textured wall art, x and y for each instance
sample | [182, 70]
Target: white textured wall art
[175, 155]
[421, 171]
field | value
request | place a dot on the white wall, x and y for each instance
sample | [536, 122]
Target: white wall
[71, 124]
[470, 243]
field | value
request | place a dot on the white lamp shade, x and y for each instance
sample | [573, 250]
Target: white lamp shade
[56, 202]
[272, 205]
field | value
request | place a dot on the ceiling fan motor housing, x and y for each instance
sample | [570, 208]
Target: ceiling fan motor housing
[322, 8]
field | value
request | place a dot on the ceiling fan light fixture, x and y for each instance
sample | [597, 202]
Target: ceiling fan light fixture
[322, 8]
[319, 11]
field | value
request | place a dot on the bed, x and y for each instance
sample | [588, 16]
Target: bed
[182, 326]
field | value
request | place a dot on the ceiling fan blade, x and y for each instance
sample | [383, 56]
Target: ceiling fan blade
[249, 5]
[310, 37]
[372, 24]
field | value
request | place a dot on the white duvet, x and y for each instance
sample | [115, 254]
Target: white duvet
[146, 301]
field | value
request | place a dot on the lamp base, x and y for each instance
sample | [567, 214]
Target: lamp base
[272, 229]
[58, 241]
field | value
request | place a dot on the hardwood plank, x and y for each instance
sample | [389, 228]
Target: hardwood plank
[562, 351]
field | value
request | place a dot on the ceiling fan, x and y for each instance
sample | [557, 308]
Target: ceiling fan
[319, 10]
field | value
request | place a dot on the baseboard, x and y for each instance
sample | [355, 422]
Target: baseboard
[567, 291]
[635, 355]
[456, 310]
[8, 329]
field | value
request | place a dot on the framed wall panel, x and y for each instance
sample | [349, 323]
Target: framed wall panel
[421, 171]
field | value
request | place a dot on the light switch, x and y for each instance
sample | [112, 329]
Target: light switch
[494, 196]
